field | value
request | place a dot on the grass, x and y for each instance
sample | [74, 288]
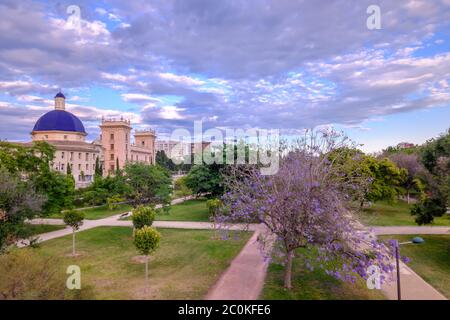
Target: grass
[190, 210]
[395, 214]
[431, 259]
[313, 285]
[100, 212]
[35, 229]
[186, 265]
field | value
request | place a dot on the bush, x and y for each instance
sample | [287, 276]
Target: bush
[73, 218]
[113, 202]
[143, 216]
[214, 207]
[146, 240]
[25, 274]
[429, 208]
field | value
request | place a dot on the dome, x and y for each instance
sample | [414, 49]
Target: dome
[60, 95]
[59, 120]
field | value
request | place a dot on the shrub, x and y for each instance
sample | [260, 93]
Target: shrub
[214, 207]
[146, 240]
[73, 218]
[113, 202]
[25, 274]
[429, 208]
[143, 216]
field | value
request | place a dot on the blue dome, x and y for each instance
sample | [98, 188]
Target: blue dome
[60, 95]
[59, 120]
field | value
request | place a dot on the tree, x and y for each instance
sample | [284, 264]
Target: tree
[149, 184]
[73, 219]
[113, 202]
[426, 210]
[306, 204]
[143, 216]
[164, 161]
[204, 179]
[146, 241]
[414, 171]
[18, 202]
[98, 168]
[181, 189]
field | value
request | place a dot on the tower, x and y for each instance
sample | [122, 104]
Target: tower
[115, 139]
[60, 101]
[146, 139]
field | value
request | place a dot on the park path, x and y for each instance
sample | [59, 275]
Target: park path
[413, 287]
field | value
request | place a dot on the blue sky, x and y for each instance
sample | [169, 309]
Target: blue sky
[280, 64]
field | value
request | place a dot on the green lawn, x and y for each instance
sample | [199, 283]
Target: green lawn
[431, 259]
[100, 212]
[190, 210]
[395, 214]
[35, 229]
[185, 266]
[313, 285]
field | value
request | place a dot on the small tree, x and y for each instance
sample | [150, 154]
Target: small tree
[74, 219]
[143, 216]
[427, 209]
[214, 208]
[146, 241]
[113, 202]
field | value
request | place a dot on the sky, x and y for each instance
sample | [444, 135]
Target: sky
[239, 64]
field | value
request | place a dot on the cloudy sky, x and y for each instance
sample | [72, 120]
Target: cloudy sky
[282, 64]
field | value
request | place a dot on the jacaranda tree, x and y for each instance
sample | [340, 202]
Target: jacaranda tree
[307, 204]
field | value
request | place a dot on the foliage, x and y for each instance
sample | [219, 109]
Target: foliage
[149, 184]
[181, 189]
[426, 210]
[307, 204]
[143, 216]
[146, 240]
[103, 187]
[164, 161]
[415, 171]
[18, 202]
[33, 164]
[113, 202]
[205, 179]
[214, 207]
[73, 218]
[27, 275]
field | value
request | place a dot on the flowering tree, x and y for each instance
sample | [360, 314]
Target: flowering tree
[308, 204]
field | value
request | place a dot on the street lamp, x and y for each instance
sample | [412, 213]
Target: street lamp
[415, 240]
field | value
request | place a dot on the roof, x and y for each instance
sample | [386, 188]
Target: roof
[59, 120]
[60, 95]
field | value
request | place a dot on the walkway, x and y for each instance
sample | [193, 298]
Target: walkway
[413, 287]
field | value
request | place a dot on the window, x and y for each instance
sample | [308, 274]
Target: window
[71, 156]
[126, 136]
[93, 167]
[111, 157]
[62, 166]
[79, 166]
[46, 136]
[87, 167]
[137, 158]
[87, 156]
[65, 137]
[142, 142]
[131, 157]
[111, 136]
[62, 155]
[111, 167]
[79, 155]
[112, 146]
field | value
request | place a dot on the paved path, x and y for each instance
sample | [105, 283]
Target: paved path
[413, 287]
[410, 230]
[244, 278]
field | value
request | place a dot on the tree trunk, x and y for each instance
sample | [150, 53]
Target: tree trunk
[407, 197]
[73, 242]
[288, 270]
[146, 269]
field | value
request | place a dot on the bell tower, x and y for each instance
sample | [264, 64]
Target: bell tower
[115, 138]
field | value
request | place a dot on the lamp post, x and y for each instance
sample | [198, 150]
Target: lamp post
[416, 240]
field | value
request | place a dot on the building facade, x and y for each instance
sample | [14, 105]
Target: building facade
[67, 134]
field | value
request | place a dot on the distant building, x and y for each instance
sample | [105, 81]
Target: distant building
[67, 134]
[405, 145]
[173, 149]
